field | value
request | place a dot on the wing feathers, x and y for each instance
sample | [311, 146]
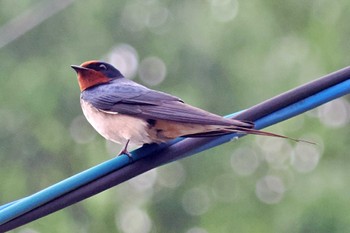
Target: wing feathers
[127, 97]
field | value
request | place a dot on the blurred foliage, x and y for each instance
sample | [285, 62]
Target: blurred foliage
[220, 55]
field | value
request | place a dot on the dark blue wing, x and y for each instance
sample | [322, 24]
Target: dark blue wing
[126, 97]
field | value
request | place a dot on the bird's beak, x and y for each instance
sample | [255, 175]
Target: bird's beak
[78, 68]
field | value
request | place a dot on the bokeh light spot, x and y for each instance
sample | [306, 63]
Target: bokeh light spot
[152, 71]
[270, 189]
[196, 201]
[81, 131]
[224, 10]
[134, 220]
[244, 161]
[28, 230]
[125, 58]
[133, 17]
[196, 230]
[151, 14]
[276, 151]
[335, 114]
[171, 176]
[157, 17]
[145, 181]
[306, 157]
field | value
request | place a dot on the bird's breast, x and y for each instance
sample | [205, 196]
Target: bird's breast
[116, 127]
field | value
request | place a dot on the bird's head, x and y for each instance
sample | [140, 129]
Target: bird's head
[92, 73]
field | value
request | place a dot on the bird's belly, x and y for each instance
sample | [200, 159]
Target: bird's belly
[116, 127]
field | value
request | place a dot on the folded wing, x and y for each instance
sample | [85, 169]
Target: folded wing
[137, 100]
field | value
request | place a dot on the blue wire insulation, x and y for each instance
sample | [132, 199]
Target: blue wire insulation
[12, 210]
[16, 208]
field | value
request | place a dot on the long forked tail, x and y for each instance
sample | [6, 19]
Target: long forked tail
[269, 134]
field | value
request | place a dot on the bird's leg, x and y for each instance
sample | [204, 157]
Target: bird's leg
[125, 151]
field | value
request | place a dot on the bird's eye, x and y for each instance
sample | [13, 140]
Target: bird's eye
[102, 67]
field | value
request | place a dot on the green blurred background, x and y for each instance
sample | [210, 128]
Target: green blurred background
[220, 55]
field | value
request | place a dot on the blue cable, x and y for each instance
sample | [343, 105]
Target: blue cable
[14, 209]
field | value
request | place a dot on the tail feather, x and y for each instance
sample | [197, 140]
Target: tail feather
[243, 130]
[269, 134]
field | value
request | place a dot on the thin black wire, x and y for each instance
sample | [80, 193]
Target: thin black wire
[174, 151]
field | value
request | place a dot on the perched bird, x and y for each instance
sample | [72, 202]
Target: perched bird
[124, 111]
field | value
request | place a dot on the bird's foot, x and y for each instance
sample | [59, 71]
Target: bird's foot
[125, 151]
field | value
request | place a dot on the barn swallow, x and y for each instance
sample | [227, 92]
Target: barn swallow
[124, 111]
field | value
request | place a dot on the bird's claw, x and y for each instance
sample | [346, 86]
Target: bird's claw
[125, 151]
